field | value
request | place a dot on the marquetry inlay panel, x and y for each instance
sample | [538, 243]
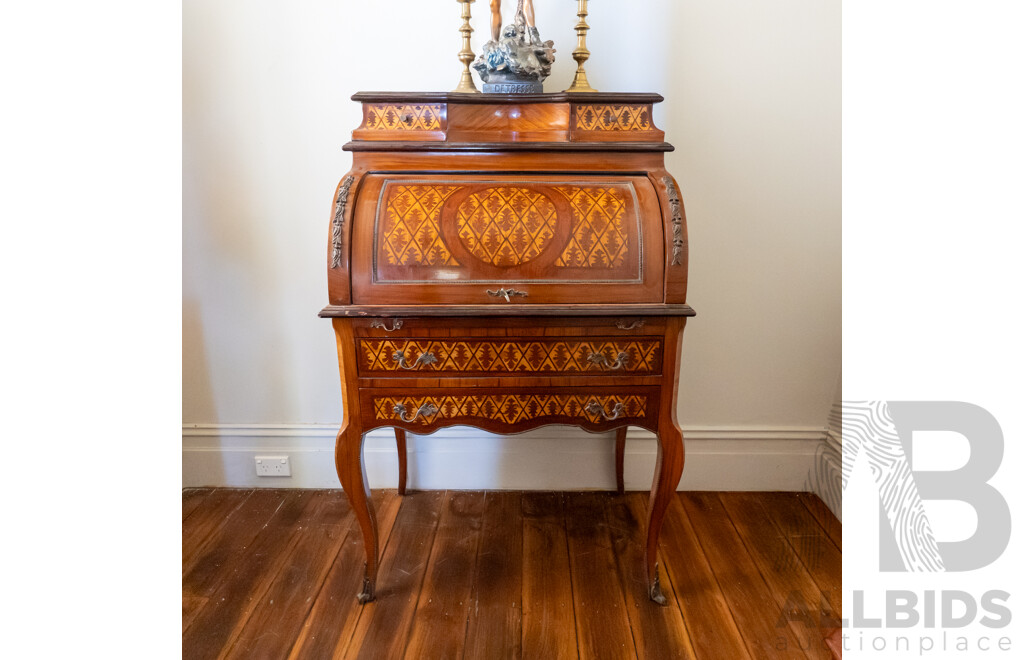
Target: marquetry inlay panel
[613, 118]
[410, 230]
[506, 226]
[511, 408]
[599, 237]
[403, 118]
[514, 355]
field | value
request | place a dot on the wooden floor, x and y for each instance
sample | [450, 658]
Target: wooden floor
[274, 574]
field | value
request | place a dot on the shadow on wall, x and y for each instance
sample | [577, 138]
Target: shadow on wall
[196, 388]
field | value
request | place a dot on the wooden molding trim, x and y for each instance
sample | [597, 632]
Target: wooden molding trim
[332, 311]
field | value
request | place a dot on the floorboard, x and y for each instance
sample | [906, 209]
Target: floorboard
[658, 632]
[278, 615]
[602, 624]
[822, 559]
[274, 574]
[332, 619]
[245, 580]
[549, 620]
[709, 622]
[191, 499]
[442, 612]
[217, 508]
[385, 623]
[496, 617]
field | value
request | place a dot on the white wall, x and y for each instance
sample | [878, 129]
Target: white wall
[752, 105]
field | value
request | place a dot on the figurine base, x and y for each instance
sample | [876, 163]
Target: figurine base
[514, 88]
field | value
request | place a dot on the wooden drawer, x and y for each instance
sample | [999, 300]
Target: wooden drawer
[496, 356]
[510, 409]
[402, 121]
[514, 326]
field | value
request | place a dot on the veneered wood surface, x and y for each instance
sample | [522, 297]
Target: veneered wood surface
[510, 409]
[483, 314]
[509, 122]
[544, 566]
[428, 239]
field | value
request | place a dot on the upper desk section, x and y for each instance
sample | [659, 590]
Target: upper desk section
[403, 121]
[493, 200]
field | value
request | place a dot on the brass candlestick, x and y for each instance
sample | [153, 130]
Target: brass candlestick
[581, 54]
[466, 56]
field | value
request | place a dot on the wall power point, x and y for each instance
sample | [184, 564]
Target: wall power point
[273, 466]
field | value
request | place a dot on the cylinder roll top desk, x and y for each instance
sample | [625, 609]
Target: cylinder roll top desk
[507, 262]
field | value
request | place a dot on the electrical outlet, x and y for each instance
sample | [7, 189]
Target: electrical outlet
[273, 466]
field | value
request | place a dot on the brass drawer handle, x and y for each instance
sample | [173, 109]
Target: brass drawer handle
[424, 359]
[427, 410]
[595, 408]
[599, 359]
[622, 325]
[505, 293]
[378, 323]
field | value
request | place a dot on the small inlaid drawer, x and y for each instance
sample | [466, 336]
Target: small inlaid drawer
[540, 356]
[593, 408]
[401, 121]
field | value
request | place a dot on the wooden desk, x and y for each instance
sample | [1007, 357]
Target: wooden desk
[508, 262]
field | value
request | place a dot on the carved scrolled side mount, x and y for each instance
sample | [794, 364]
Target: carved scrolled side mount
[675, 205]
[338, 224]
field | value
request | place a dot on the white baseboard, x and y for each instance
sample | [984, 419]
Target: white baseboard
[828, 480]
[462, 458]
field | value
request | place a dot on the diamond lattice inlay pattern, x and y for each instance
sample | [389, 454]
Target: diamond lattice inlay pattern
[410, 231]
[506, 226]
[599, 237]
[403, 118]
[613, 118]
[513, 408]
[524, 356]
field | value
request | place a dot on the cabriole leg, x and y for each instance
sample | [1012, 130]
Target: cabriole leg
[402, 458]
[348, 458]
[666, 478]
[620, 451]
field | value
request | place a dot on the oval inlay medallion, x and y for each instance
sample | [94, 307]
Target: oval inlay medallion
[506, 226]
